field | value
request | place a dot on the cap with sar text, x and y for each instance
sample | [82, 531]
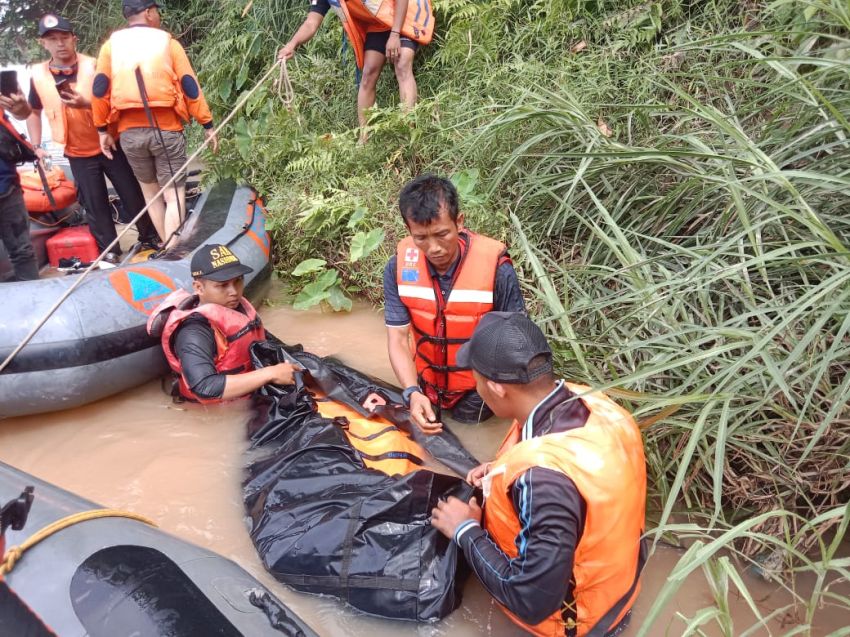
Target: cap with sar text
[52, 22]
[216, 262]
[503, 347]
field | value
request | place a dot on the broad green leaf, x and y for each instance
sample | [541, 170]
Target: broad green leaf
[308, 266]
[326, 279]
[225, 89]
[465, 182]
[338, 301]
[363, 244]
[308, 298]
[358, 216]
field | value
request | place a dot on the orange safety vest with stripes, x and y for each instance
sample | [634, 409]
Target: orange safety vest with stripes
[380, 444]
[148, 50]
[605, 460]
[418, 23]
[54, 109]
[234, 333]
[441, 326]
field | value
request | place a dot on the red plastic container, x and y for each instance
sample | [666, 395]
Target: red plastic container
[72, 242]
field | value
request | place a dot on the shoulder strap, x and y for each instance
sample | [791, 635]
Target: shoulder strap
[604, 624]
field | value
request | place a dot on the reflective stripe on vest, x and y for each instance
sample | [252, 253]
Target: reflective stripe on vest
[148, 50]
[439, 327]
[45, 85]
[234, 332]
[605, 460]
[418, 23]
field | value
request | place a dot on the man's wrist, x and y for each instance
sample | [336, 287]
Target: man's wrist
[407, 393]
[463, 527]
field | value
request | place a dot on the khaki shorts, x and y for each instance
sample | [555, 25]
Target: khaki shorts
[153, 158]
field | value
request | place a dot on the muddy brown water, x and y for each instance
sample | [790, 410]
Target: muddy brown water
[182, 467]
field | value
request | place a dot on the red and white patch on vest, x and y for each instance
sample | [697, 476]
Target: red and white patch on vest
[411, 256]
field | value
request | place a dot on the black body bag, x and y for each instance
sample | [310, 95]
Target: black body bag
[323, 522]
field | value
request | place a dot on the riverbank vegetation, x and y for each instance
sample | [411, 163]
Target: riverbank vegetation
[673, 178]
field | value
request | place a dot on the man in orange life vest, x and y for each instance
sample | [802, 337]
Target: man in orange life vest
[439, 284]
[206, 336]
[560, 543]
[391, 32]
[146, 86]
[62, 87]
[14, 219]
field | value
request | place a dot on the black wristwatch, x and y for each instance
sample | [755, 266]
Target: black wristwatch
[407, 393]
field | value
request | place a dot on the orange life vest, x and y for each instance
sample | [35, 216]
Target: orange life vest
[57, 113]
[234, 333]
[148, 50]
[418, 23]
[440, 325]
[605, 460]
[35, 198]
[381, 445]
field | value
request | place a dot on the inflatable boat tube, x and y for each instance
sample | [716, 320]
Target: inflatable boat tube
[340, 498]
[117, 576]
[95, 345]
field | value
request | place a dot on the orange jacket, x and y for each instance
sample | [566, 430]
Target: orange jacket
[165, 71]
[70, 127]
[234, 332]
[605, 460]
[441, 326]
[358, 16]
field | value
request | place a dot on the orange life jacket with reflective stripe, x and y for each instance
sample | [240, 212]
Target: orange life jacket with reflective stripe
[418, 23]
[148, 50]
[605, 460]
[234, 332]
[381, 445]
[54, 109]
[441, 326]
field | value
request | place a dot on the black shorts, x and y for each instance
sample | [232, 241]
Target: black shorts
[377, 41]
[471, 409]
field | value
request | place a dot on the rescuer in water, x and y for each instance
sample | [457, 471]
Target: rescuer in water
[559, 543]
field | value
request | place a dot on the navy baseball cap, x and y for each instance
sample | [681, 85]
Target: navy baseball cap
[52, 22]
[217, 262]
[132, 7]
[502, 347]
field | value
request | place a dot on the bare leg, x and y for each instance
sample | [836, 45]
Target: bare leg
[175, 210]
[156, 209]
[406, 80]
[373, 64]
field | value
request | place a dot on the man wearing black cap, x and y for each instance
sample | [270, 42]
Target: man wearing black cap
[62, 88]
[559, 546]
[146, 87]
[206, 336]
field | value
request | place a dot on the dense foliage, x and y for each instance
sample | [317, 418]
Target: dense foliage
[673, 179]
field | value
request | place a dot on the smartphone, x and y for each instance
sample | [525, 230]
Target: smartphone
[63, 85]
[8, 82]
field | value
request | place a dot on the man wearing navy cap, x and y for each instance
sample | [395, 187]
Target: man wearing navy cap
[559, 543]
[206, 336]
[61, 87]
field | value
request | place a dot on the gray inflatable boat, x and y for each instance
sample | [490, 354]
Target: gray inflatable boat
[95, 345]
[116, 576]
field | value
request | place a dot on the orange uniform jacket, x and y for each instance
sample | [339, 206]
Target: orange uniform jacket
[170, 82]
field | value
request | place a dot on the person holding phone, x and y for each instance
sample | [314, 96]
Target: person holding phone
[61, 87]
[14, 150]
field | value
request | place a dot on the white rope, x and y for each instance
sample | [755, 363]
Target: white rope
[115, 241]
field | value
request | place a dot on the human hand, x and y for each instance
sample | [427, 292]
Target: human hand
[209, 135]
[283, 373]
[42, 154]
[16, 104]
[107, 144]
[393, 47]
[422, 414]
[71, 98]
[451, 513]
[287, 52]
[474, 477]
